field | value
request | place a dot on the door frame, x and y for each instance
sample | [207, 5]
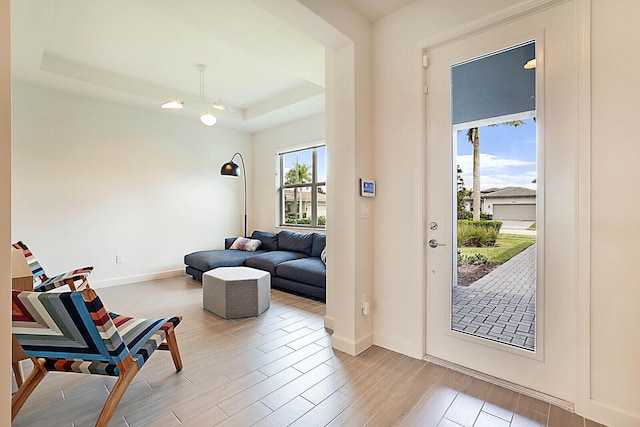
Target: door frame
[584, 404]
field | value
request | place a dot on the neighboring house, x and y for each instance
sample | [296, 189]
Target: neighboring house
[302, 200]
[509, 203]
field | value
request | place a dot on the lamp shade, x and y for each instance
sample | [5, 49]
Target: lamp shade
[208, 119]
[230, 169]
[173, 104]
[218, 105]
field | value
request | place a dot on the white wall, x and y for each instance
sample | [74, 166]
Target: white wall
[93, 179]
[349, 157]
[615, 293]
[5, 211]
[265, 170]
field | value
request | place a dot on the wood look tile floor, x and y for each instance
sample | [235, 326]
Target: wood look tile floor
[274, 370]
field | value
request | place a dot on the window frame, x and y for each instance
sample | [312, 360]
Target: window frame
[314, 184]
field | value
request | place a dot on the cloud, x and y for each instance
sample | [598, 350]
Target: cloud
[498, 171]
[490, 161]
[500, 181]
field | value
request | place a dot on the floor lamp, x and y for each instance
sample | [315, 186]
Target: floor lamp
[232, 169]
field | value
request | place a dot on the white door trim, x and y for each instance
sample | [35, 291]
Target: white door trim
[518, 11]
[583, 403]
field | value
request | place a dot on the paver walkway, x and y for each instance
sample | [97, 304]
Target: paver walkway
[501, 306]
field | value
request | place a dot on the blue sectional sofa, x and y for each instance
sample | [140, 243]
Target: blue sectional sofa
[292, 259]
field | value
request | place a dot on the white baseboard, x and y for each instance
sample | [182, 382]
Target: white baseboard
[328, 322]
[135, 279]
[402, 347]
[612, 415]
[351, 347]
[364, 343]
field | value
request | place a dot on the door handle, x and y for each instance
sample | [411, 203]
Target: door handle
[434, 243]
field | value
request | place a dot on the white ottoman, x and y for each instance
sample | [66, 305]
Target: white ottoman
[233, 292]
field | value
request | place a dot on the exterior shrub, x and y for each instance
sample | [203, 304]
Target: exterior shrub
[475, 259]
[473, 235]
[497, 225]
[465, 215]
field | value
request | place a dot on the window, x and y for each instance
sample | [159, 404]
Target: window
[303, 189]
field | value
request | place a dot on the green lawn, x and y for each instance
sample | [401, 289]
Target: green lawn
[533, 226]
[507, 246]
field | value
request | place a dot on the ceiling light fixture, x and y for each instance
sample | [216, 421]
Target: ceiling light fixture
[218, 105]
[207, 118]
[173, 104]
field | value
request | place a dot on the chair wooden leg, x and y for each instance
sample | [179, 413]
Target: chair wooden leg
[17, 354]
[172, 343]
[27, 387]
[17, 371]
[83, 285]
[126, 376]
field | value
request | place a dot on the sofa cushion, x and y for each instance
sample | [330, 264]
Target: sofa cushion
[269, 260]
[208, 260]
[319, 242]
[269, 240]
[295, 242]
[306, 270]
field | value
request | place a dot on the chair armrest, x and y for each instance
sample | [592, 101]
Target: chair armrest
[69, 278]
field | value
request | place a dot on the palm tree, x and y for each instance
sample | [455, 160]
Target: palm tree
[298, 174]
[473, 136]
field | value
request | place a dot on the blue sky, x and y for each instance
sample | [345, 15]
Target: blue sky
[507, 156]
[304, 156]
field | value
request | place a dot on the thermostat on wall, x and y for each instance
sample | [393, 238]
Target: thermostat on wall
[367, 188]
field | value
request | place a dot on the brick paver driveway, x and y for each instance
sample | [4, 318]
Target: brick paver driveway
[501, 306]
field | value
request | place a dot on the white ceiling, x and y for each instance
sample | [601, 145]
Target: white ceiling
[376, 9]
[144, 52]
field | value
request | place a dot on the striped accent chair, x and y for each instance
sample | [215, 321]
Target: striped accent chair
[43, 283]
[73, 332]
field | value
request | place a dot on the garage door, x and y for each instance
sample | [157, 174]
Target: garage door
[514, 212]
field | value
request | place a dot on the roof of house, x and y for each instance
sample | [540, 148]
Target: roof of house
[489, 190]
[506, 192]
[510, 192]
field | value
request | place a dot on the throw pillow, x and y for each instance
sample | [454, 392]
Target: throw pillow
[323, 256]
[244, 244]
